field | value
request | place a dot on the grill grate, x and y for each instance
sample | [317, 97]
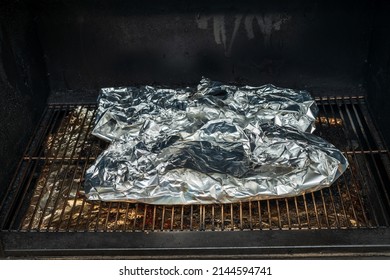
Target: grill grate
[46, 192]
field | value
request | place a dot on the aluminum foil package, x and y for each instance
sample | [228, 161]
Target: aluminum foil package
[213, 144]
[264, 104]
[154, 115]
[222, 162]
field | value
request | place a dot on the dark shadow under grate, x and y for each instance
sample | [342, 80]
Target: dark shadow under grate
[46, 193]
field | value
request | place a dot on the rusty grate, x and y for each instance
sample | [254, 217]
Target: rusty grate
[46, 193]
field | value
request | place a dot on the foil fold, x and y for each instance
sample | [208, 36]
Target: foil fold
[155, 115]
[213, 144]
[220, 163]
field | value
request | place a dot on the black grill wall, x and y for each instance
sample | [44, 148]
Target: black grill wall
[23, 83]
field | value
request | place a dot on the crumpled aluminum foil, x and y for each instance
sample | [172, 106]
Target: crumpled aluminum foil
[155, 114]
[216, 144]
[220, 163]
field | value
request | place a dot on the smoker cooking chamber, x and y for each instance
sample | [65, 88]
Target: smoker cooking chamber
[342, 62]
[50, 197]
[52, 170]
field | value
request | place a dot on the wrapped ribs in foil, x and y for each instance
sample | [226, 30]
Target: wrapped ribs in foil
[214, 144]
[156, 114]
[222, 162]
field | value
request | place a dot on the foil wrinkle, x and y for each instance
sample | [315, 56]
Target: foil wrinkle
[213, 144]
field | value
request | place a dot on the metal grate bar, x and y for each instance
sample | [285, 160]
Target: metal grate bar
[288, 213]
[269, 214]
[332, 98]
[44, 128]
[279, 217]
[84, 166]
[325, 209]
[333, 115]
[354, 129]
[51, 149]
[97, 219]
[67, 170]
[250, 215]
[327, 123]
[337, 219]
[51, 198]
[63, 141]
[38, 135]
[382, 175]
[231, 217]
[260, 217]
[367, 152]
[358, 166]
[306, 211]
[105, 228]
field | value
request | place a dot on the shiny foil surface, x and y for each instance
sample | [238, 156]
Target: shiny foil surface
[220, 163]
[216, 144]
[154, 115]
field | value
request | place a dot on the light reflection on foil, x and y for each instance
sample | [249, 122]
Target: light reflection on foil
[216, 144]
[220, 163]
[155, 115]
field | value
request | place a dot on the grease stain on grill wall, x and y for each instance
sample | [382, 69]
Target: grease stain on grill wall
[268, 23]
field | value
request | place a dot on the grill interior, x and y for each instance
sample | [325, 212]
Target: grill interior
[56, 55]
[46, 192]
